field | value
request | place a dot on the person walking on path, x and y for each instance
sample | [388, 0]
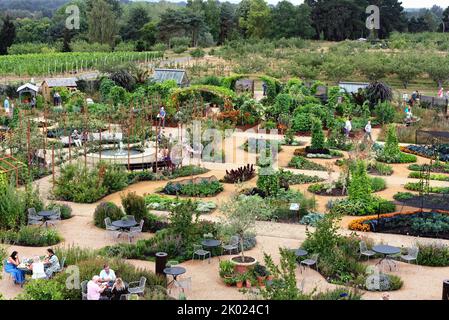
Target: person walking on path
[162, 114]
[348, 127]
[6, 105]
[368, 130]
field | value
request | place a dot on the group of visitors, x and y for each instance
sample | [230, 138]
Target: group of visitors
[348, 128]
[106, 286]
[40, 269]
[78, 138]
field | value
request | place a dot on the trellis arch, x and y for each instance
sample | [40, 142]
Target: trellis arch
[274, 86]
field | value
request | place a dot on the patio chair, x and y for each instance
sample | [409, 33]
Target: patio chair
[33, 218]
[172, 263]
[364, 251]
[183, 284]
[310, 262]
[131, 218]
[233, 245]
[134, 231]
[412, 255]
[199, 252]
[84, 289]
[137, 287]
[113, 231]
[61, 264]
[57, 215]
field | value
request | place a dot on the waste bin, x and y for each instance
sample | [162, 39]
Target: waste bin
[161, 261]
[446, 290]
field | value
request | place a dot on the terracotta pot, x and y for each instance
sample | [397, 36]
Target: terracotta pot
[261, 281]
[269, 278]
[242, 267]
[248, 283]
[239, 284]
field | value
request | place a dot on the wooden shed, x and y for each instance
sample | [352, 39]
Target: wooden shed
[49, 84]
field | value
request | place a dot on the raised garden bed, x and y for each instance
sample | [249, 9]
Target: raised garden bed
[429, 151]
[416, 186]
[163, 203]
[426, 201]
[436, 167]
[336, 190]
[299, 162]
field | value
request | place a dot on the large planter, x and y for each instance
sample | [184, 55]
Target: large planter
[242, 266]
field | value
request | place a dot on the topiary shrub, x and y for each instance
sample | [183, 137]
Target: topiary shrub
[318, 140]
[107, 210]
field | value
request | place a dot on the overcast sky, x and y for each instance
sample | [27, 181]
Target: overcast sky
[405, 3]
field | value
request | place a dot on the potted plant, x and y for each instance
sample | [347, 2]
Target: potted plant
[239, 278]
[261, 273]
[248, 278]
[241, 213]
[227, 272]
[269, 276]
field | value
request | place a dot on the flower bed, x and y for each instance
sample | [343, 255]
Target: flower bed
[336, 189]
[199, 187]
[438, 177]
[415, 223]
[299, 162]
[161, 203]
[428, 152]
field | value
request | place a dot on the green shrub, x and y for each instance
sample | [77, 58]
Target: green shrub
[201, 189]
[42, 289]
[385, 113]
[433, 255]
[380, 168]
[404, 196]
[31, 236]
[134, 205]
[417, 186]
[318, 140]
[107, 210]
[361, 208]
[180, 49]
[359, 185]
[438, 177]
[378, 184]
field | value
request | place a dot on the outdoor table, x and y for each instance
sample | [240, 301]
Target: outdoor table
[300, 252]
[386, 251]
[46, 216]
[23, 267]
[174, 272]
[108, 291]
[124, 224]
[211, 244]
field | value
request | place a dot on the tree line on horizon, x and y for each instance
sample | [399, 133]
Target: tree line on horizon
[208, 22]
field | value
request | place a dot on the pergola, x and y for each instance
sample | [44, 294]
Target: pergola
[10, 164]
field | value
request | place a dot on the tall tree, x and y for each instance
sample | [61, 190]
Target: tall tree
[227, 22]
[212, 12]
[102, 23]
[288, 20]
[136, 20]
[392, 17]
[7, 35]
[256, 21]
[446, 20]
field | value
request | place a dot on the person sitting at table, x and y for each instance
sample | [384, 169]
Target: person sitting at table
[11, 267]
[38, 269]
[118, 289]
[52, 263]
[95, 289]
[107, 274]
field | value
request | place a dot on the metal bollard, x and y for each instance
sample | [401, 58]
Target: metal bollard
[446, 290]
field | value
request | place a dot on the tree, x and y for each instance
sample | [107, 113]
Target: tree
[374, 66]
[132, 29]
[446, 20]
[212, 13]
[66, 44]
[360, 184]
[438, 69]
[148, 33]
[7, 35]
[227, 22]
[392, 17]
[288, 21]
[256, 21]
[318, 140]
[407, 68]
[102, 23]
[338, 69]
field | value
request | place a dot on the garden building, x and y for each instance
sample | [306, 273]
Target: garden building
[27, 92]
[49, 84]
[180, 76]
[353, 87]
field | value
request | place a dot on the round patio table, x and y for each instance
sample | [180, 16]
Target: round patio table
[300, 252]
[175, 272]
[124, 224]
[211, 243]
[386, 251]
[46, 216]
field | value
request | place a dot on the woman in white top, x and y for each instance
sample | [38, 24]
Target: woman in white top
[368, 130]
[38, 269]
[348, 127]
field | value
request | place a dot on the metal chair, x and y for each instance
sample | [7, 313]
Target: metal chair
[84, 289]
[310, 262]
[61, 264]
[200, 252]
[137, 287]
[183, 284]
[130, 218]
[113, 231]
[364, 251]
[33, 218]
[134, 231]
[412, 255]
[172, 263]
[57, 215]
[233, 245]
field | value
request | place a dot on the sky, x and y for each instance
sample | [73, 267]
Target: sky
[405, 3]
